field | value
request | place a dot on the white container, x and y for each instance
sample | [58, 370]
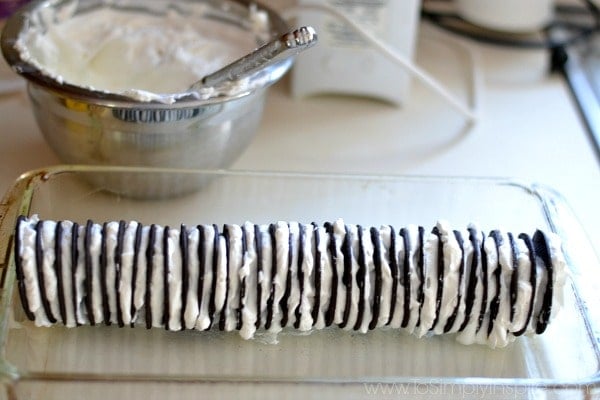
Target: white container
[344, 63]
[507, 15]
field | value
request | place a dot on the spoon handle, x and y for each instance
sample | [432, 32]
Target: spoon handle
[287, 45]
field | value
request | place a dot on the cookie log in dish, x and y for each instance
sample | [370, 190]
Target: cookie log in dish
[483, 288]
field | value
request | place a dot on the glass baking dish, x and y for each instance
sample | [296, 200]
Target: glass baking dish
[124, 363]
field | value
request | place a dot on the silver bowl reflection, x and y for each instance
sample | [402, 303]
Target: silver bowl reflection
[85, 126]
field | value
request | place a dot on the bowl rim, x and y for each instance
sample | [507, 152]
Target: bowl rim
[17, 21]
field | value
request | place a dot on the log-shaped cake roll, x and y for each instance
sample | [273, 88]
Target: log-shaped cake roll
[484, 288]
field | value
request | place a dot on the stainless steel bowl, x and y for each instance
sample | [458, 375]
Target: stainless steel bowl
[85, 126]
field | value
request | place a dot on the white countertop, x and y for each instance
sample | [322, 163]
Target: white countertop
[529, 129]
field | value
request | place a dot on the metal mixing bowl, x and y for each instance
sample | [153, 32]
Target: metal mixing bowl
[85, 126]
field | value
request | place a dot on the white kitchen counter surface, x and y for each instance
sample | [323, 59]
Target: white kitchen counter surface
[529, 129]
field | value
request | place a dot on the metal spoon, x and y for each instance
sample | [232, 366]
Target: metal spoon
[285, 46]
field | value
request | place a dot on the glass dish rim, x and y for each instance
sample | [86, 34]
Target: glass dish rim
[15, 199]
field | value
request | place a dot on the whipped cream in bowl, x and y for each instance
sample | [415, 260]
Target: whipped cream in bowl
[147, 51]
[109, 82]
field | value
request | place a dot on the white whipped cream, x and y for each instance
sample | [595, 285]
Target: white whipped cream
[307, 298]
[49, 276]
[126, 296]
[502, 323]
[191, 308]
[221, 279]
[144, 56]
[452, 262]
[174, 279]
[430, 266]
[293, 301]
[112, 228]
[326, 276]
[80, 274]
[355, 298]
[279, 276]
[264, 276]
[30, 277]
[68, 273]
[139, 295]
[398, 315]
[369, 281]
[248, 275]
[203, 321]
[125, 282]
[339, 233]
[235, 256]
[467, 336]
[492, 264]
[386, 277]
[94, 245]
[157, 287]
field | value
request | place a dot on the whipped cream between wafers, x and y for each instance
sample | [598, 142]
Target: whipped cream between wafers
[483, 288]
